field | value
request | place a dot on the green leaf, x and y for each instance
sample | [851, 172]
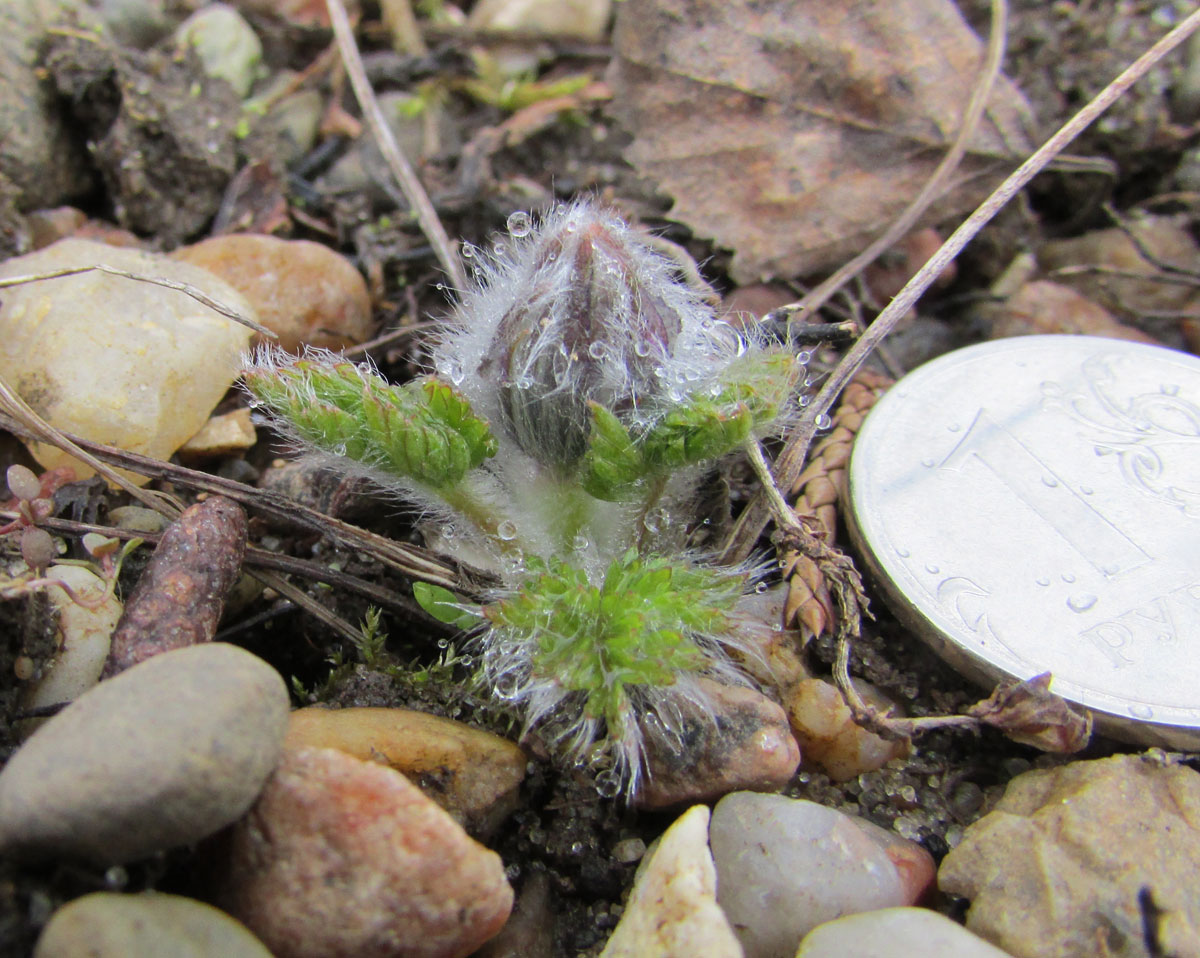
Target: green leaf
[613, 464]
[444, 605]
[639, 627]
[424, 430]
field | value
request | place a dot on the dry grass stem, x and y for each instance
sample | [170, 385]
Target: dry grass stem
[197, 294]
[397, 162]
[751, 522]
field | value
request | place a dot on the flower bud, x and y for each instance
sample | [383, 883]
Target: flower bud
[581, 311]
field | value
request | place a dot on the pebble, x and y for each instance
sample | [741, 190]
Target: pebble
[584, 19]
[1045, 307]
[829, 737]
[127, 363]
[83, 639]
[222, 435]
[672, 911]
[529, 932]
[135, 23]
[226, 44]
[341, 858]
[786, 865]
[474, 775]
[748, 746]
[149, 925]
[1057, 867]
[162, 755]
[39, 151]
[895, 933]
[304, 292]
[1166, 238]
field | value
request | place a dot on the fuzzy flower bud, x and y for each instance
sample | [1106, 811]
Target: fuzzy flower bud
[580, 312]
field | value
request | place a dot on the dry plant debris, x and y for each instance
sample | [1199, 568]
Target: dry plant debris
[820, 120]
[179, 598]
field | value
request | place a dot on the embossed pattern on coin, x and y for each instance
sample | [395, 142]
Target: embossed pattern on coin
[1032, 505]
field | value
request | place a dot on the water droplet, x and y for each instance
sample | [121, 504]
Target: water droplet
[932, 569]
[507, 530]
[608, 783]
[452, 369]
[802, 400]
[1081, 602]
[443, 643]
[1170, 389]
[1086, 490]
[641, 349]
[580, 542]
[928, 463]
[1067, 577]
[823, 422]
[1049, 481]
[803, 357]
[902, 553]
[468, 251]
[507, 687]
[954, 427]
[519, 224]
[597, 350]
[761, 588]
[1140, 711]
[1042, 580]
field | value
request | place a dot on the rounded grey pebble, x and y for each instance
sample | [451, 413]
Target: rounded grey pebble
[150, 925]
[162, 755]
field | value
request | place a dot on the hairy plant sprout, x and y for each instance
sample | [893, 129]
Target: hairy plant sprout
[578, 396]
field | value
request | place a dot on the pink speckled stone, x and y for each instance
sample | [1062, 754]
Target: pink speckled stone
[342, 858]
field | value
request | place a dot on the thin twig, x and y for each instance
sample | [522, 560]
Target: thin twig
[791, 460]
[781, 512]
[390, 337]
[197, 294]
[307, 603]
[397, 162]
[882, 724]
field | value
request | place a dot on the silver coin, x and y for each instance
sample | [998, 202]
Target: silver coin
[1032, 505]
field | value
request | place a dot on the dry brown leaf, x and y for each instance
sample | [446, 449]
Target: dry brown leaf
[794, 131]
[1108, 267]
[1045, 307]
[1029, 713]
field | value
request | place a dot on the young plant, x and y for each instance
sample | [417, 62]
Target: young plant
[580, 393]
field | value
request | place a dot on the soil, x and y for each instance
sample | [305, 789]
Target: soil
[563, 829]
